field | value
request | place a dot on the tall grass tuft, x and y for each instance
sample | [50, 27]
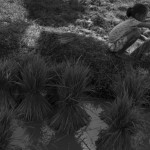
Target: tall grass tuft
[72, 81]
[33, 81]
[136, 84]
[7, 75]
[11, 35]
[124, 122]
[12, 136]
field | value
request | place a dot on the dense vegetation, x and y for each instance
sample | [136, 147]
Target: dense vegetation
[53, 61]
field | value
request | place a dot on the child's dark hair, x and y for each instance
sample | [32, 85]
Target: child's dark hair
[136, 9]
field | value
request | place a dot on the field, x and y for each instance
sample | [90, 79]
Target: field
[61, 88]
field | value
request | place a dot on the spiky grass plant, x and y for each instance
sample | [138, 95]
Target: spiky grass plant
[7, 74]
[72, 85]
[136, 84]
[12, 137]
[124, 122]
[33, 80]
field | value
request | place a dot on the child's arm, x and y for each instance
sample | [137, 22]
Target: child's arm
[143, 38]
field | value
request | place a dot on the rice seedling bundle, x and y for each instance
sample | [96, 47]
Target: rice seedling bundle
[136, 84]
[7, 74]
[124, 122]
[33, 80]
[12, 137]
[72, 85]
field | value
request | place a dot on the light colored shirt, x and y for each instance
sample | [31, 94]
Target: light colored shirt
[122, 29]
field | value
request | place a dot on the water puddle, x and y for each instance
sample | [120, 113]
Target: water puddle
[87, 136]
[84, 139]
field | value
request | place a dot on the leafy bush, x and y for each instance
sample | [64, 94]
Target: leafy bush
[124, 122]
[32, 81]
[72, 85]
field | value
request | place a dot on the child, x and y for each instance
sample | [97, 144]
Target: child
[126, 33]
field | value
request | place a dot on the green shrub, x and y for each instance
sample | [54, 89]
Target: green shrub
[32, 81]
[124, 122]
[72, 85]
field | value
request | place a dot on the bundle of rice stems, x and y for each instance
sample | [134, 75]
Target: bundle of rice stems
[72, 85]
[136, 84]
[12, 136]
[7, 74]
[124, 122]
[33, 81]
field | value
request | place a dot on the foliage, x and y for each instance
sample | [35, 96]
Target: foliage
[10, 37]
[33, 80]
[136, 84]
[72, 84]
[7, 75]
[12, 10]
[62, 46]
[12, 136]
[49, 12]
[124, 122]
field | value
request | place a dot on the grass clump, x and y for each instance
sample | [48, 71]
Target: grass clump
[10, 37]
[124, 122]
[61, 46]
[7, 75]
[32, 81]
[72, 85]
[136, 84]
[12, 136]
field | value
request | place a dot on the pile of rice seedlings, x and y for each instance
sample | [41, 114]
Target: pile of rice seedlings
[72, 84]
[7, 75]
[124, 122]
[32, 80]
[12, 137]
[136, 84]
[10, 36]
